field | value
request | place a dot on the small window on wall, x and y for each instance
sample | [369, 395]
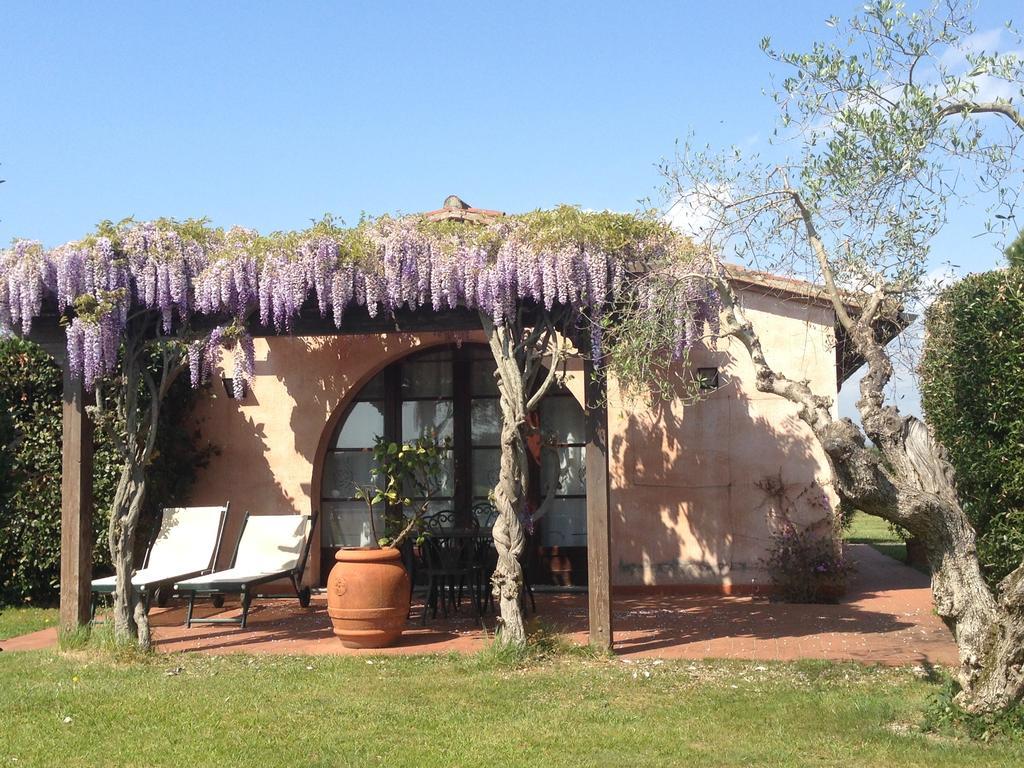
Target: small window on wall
[709, 379]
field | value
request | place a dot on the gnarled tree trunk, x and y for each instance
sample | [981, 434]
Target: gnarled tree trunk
[509, 493]
[130, 620]
[140, 421]
[907, 480]
[518, 354]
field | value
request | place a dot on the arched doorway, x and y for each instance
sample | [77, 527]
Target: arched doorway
[451, 391]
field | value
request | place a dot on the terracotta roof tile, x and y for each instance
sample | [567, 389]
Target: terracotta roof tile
[456, 209]
[790, 285]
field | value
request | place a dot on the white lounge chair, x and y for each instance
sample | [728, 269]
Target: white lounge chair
[186, 546]
[269, 548]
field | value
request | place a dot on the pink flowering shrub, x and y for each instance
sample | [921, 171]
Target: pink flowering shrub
[805, 566]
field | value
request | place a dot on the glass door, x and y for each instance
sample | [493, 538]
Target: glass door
[452, 394]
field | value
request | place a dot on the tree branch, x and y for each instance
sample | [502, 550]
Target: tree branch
[814, 409]
[818, 248]
[966, 108]
[557, 347]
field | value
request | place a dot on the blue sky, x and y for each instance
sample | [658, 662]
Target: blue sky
[268, 115]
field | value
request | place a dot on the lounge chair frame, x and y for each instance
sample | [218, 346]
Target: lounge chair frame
[245, 587]
[148, 591]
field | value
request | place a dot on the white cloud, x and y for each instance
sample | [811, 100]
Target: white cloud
[993, 89]
[936, 281]
[693, 216]
[990, 41]
[750, 141]
[985, 41]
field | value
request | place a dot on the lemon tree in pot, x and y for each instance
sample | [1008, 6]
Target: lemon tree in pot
[368, 590]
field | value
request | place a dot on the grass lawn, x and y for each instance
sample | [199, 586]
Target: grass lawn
[868, 529]
[20, 620]
[86, 708]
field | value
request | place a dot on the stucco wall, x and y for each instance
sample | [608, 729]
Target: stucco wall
[686, 503]
[271, 444]
[686, 506]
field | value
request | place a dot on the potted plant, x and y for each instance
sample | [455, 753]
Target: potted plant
[368, 590]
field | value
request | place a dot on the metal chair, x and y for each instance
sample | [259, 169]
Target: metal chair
[527, 577]
[450, 563]
[485, 514]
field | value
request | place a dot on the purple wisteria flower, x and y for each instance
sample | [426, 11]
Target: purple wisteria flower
[178, 272]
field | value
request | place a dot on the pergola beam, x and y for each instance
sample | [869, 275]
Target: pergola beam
[598, 509]
[357, 321]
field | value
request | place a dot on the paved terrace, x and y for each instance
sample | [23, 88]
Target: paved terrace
[886, 618]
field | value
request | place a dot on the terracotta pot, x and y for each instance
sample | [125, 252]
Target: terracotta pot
[368, 594]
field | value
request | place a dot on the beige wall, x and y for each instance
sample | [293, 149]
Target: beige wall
[686, 503]
[686, 508]
[271, 444]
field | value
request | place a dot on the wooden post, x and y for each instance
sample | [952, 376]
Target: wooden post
[598, 511]
[75, 508]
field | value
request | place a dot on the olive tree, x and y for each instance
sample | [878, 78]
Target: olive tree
[885, 132]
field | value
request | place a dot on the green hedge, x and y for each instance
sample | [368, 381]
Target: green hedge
[972, 391]
[30, 465]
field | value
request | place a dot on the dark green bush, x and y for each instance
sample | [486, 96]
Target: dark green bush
[972, 391]
[30, 463]
[1015, 252]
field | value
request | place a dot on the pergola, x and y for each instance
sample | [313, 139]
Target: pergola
[435, 274]
[77, 460]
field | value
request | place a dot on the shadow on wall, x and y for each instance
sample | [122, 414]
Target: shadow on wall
[687, 508]
[242, 460]
[272, 442]
[319, 374]
[323, 374]
[320, 377]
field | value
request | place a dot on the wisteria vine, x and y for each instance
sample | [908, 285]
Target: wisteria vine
[176, 271]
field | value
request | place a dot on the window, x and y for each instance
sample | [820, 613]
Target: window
[563, 464]
[452, 393]
[709, 379]
[448, 393]
[426, 407]
[484, 425]
[347, 466]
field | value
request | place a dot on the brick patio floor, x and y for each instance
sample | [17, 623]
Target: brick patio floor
[886, 618]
